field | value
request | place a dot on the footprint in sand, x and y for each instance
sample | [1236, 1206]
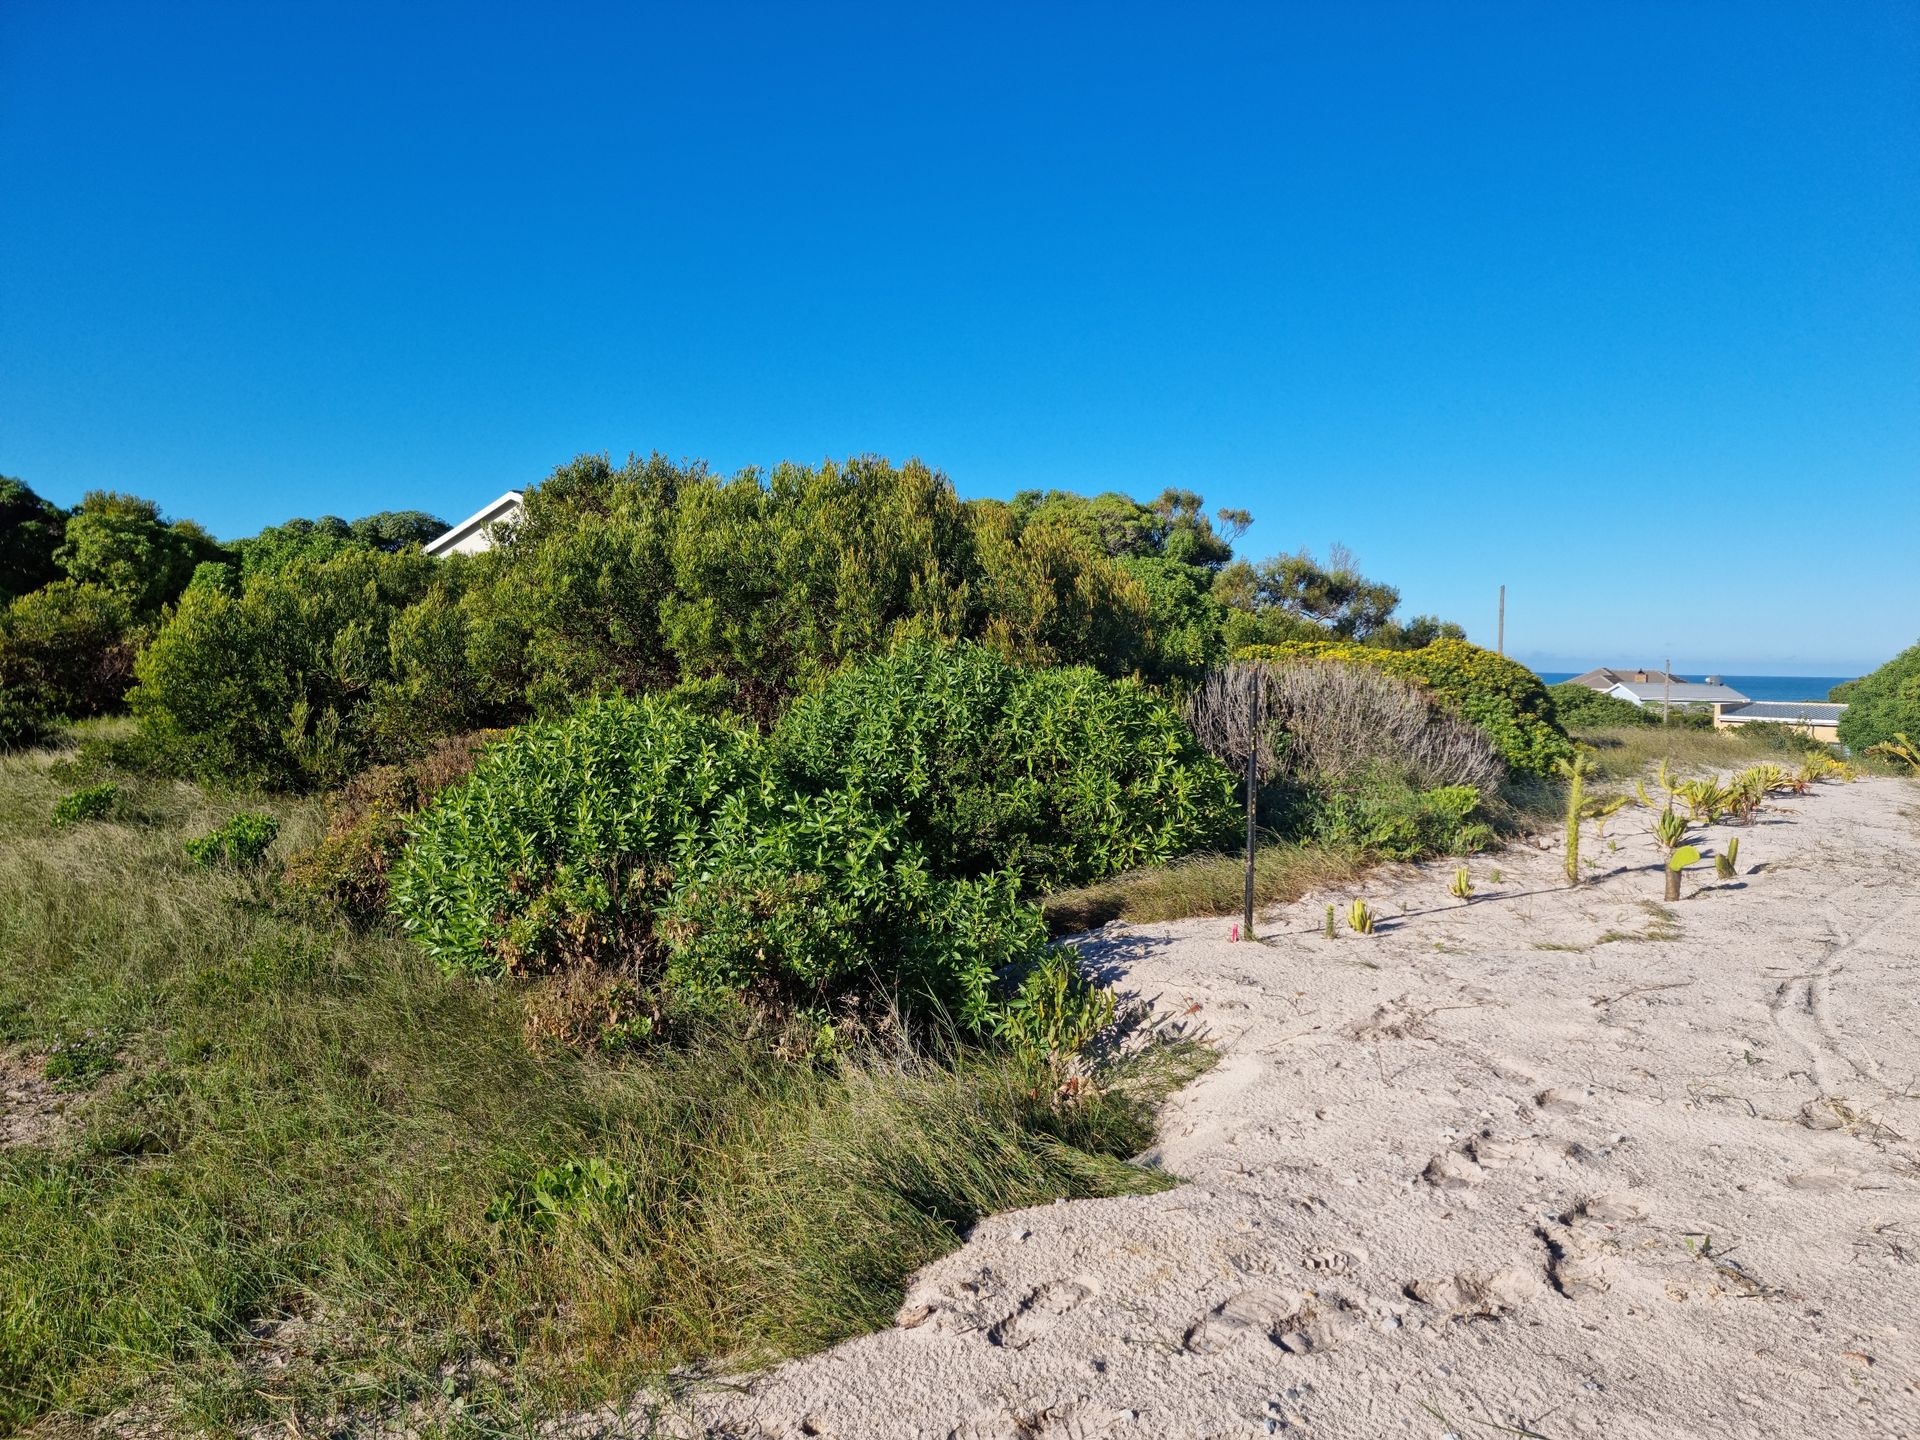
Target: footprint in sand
[1615, 1208]
[1477, 1295]
[1450, 1170]
[1295, 1322]
[1039, 1310]
[1825, 1177]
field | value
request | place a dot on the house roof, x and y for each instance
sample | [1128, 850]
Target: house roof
[492, 514]
[1605, 677]
[1679, 692]
[1785, 712]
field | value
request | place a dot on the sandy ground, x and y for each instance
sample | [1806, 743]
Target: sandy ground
[1559, 1163]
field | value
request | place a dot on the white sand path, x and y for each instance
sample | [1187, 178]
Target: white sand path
[1551, 1163]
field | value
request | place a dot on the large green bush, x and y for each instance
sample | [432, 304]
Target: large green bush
[67, 649]
[1883, 704]
[636, 834]
[1061, 774]
[1590, 709]
[1504, 698]
[310, 673]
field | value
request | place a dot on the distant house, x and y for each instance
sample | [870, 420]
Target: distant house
[478, 531]
[1654, 688]
[1673, 690]
[1817, 718]
[1605, 678]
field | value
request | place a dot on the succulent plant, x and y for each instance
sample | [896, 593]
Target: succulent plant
[1462, 886]
[1727, 859]
[1360, 918]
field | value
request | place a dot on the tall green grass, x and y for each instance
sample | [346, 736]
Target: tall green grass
[274, 1203]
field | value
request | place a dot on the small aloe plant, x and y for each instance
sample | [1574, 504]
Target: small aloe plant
[1727, 859]
[1898, 748]
[1670, 834]
[1360, 918]
[1462, 886]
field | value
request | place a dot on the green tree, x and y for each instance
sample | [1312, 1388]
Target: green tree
[31, 530]
[120, 543]
[1291, 593]
[306, 676]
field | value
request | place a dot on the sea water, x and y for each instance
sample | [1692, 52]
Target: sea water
[1754, 687]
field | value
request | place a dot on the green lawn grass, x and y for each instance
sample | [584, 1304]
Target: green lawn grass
[271, 1200]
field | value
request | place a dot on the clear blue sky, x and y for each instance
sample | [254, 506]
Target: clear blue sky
[1618, 304]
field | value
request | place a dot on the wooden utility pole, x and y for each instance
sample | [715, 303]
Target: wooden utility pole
[1500, 643]
[1253, 793]
[1666, 691]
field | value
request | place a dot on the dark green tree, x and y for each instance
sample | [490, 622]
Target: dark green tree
[31, 530]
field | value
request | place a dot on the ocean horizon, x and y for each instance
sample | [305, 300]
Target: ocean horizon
[1754, 687]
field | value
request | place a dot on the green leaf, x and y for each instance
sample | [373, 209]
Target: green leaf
[1683, 857]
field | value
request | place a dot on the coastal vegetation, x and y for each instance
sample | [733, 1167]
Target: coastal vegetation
[514, 976]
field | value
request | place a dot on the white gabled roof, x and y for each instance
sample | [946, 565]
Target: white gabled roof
[502, 509]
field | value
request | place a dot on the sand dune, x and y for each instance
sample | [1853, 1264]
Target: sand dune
[1558, 1162]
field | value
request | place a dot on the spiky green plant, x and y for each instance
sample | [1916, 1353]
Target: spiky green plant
[1360, 918]
[1462, 886]
[1331, 933]
[1575, 773]
[1727, 859]
[1899, 748]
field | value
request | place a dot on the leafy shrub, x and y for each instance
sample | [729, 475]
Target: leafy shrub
[1379, 813]
[1055, 1012]
[367, 826]
[24, 721]
[302, 679]
[1504, 698]
[569, 836]
[1584, 707]
[67, 650]
[93, 802]
[638, 836]
[120, 544]
[1062, 775]
[1320, 720]
[570, 1191]
[30, 532]
[243, 840]
[1883, 704]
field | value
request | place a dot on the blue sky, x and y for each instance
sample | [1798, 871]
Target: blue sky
[1617, 304]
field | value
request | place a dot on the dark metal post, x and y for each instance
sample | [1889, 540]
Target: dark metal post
[1253, 793]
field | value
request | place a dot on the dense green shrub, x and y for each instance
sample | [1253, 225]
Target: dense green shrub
[30, 532]
[1583, 707]
[641, 836]
[242, 840]
[68, 650]
[569, 837]
[90, 802]
[1377, 812]
[309, 674]
[24, 721]
[1883, 704]
[120, 543]
[1060, 774]
[1504, 698]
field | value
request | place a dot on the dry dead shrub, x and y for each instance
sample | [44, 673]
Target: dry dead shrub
[367, 825]
[1325, 721]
